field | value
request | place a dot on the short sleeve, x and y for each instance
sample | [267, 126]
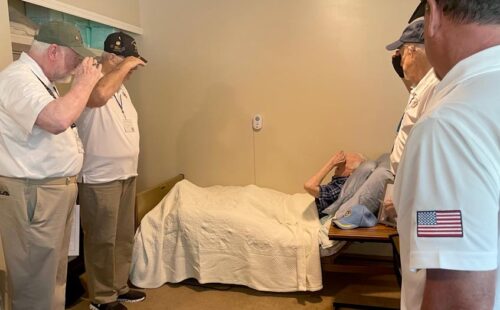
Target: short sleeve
[329, 193]
[448, 197]
[22, 98]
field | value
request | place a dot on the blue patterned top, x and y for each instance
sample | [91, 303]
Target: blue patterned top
[329, 193]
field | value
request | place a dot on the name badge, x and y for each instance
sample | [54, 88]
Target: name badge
[128, 126]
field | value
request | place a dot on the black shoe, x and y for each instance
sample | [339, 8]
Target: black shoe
[132, 296]
[109, 306]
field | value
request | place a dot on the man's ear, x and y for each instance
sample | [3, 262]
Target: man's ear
[433, 18]
[52, 52]
[410, 50]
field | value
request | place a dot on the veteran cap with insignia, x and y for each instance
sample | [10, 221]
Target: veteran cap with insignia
[121, 44]
[63, 34]
[358, 216]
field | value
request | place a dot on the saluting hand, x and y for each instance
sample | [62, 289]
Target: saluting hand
[87, 73]
[133, 62]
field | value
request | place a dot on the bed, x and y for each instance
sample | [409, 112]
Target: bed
[244, 235]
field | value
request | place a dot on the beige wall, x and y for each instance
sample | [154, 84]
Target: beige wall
[5, 47]
[316, 70]
[123, 10]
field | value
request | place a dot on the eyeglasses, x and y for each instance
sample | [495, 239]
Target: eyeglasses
[419, 11]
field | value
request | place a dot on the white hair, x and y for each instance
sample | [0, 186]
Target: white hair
[39, 47]
[353, 164]
[418, 47]
[106, 56]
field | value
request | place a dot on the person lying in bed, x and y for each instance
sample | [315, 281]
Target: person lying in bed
[344, 164]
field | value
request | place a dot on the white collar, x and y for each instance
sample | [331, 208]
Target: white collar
[430, 75]
[487, 60]
[35, 67]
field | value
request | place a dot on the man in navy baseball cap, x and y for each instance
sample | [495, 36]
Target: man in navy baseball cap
[413, 33]
[107, 182]
[121, 44]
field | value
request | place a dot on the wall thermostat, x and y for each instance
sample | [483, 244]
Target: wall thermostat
[257, 122]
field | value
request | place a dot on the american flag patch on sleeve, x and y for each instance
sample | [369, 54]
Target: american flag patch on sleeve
[439, 223]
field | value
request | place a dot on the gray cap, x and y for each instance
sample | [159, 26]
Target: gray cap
[63, 34]
[413, 33]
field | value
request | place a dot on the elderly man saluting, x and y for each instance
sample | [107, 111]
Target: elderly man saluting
[110, 134]
[40, 155]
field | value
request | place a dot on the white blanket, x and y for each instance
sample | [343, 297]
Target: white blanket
[249, 236]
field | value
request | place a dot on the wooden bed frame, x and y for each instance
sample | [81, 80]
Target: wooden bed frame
[146, 200]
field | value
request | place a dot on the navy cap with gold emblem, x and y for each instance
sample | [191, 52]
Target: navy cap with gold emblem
[121, 44]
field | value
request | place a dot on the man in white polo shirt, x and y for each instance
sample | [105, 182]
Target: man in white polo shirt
[447, 189]
[413, 66]
[40, 156]
[422, 80]
[110, 134]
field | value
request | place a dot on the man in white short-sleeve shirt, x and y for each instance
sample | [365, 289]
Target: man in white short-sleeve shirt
[40, 156]
[412, 65]
[110, 134]
[419, 73]
[447, 189]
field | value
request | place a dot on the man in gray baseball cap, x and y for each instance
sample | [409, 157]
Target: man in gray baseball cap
[63, 34]
[41, 155]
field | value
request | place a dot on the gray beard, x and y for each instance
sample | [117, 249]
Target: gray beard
[64, 80]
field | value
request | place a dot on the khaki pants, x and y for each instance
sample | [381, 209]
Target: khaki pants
[4, 298]
[107, 212]
[35, 226]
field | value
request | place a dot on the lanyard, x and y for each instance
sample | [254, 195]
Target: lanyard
[120, 104]
[51, 92]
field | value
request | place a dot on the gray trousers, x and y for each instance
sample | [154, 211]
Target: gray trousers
[35, 226]
[107, 213]
[365, 186]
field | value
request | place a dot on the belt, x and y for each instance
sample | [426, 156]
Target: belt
[47, 181]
